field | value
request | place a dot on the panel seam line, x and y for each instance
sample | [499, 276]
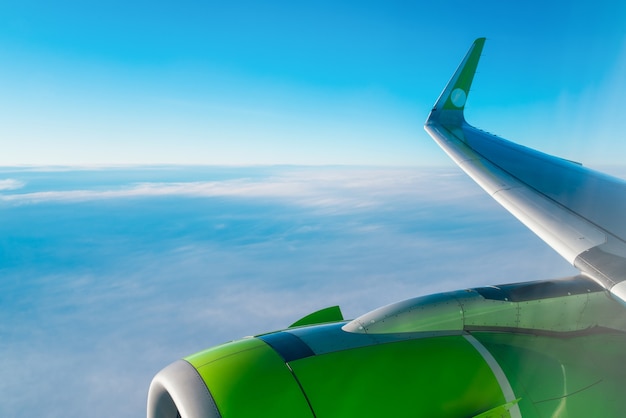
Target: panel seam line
[505, 386]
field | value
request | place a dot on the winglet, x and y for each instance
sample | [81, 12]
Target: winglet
[451, 103]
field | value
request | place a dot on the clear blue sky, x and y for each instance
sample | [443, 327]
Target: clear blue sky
[328, 82]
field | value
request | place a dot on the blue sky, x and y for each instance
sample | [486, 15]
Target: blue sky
[300, 83]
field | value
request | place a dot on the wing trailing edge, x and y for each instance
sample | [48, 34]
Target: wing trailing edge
[577, 211]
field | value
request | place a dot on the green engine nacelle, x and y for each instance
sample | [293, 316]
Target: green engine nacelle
[356, 369]
[269, 376]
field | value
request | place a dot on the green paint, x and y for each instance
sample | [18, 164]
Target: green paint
[248, 379]
[501, 411]
[466, 309]
[213, 354]
[576, 371]
[464, 76]
[563, 374]
[331, 314]
[430, 377]
[575, 377]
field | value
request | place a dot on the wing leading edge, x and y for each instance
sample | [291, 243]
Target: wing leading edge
[577, 211]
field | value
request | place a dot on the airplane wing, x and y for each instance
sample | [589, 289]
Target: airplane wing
[542, 348]
[579, 212]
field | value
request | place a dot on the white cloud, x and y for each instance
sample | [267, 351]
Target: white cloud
[318, 187]
[11, 184]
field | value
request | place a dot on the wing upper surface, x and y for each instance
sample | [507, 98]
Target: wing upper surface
[577, 211]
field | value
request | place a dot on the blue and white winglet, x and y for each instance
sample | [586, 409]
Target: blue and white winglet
[579, 212]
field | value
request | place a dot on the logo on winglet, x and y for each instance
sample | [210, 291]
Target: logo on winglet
[458, 97]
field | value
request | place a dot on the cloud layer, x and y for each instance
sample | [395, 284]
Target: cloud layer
[10, 184]
[109, 275]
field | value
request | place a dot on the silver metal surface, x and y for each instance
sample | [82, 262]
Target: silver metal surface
[178, 390]
[577, 211]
